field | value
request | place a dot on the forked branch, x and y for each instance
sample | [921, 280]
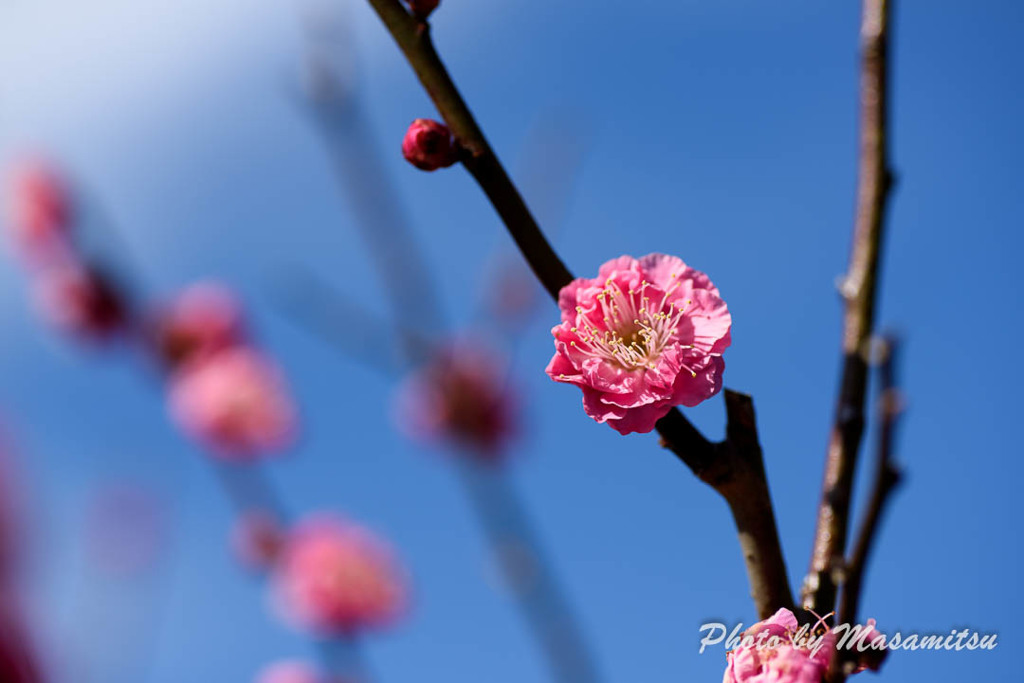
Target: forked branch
[859, 290]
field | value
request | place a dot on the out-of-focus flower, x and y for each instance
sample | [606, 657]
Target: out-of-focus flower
[236, 402]
[257, 539]
[462, 395]
[421, 9]
[289, 671]
[775, 654]
[202, 320]
[334, 577]
[39, 212]
[80, 300]
[17, 659]
[643, 336]
[17, 664]
[428, 145]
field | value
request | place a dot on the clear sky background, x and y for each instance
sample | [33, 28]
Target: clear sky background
[721, 132]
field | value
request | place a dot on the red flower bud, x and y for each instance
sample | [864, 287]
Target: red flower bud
[428, 145]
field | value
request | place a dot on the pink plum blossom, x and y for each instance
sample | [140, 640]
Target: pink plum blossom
[236, 402]
[643, 336]
[787, 660]
[335, 578]
[80, 300]
[461, 395]
[203, 319]
[289, 671]
[39, 212]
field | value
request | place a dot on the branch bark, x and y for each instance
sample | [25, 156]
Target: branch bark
[859, 291]
[885, 480]
[734, 467]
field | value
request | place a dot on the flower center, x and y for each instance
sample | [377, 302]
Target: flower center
[633, 333]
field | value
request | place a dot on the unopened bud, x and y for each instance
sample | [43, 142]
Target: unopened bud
[428, 145]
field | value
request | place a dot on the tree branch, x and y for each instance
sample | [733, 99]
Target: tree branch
[859, 291]
[733, 467]
[886, 479]
[413, 38]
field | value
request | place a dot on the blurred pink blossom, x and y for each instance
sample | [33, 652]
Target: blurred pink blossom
[236, 402]
[643, 336]
[205, 318]
[39, 212]
[428, 145]
[462, 394]
[80, 300]
[17, 664]
[17, 659]
[336, 578]
[786, 660]
[289, 671]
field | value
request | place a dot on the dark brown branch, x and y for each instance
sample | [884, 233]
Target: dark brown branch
[886, 479]
[733, 467]
[859, 292]
[413, 37]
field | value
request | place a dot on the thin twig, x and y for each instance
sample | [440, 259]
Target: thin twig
[886, 479]
[733, 467]
[859, 291]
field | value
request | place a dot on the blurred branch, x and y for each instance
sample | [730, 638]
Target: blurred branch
[381, 222]
[886, 479]
[527, 573]
[249, 489]
[388, 236]
[325, 312]
[344, 660]
[859, 290]
[549, 165]
[734, 467]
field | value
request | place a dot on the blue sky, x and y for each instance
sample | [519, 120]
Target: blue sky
[720, 132]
